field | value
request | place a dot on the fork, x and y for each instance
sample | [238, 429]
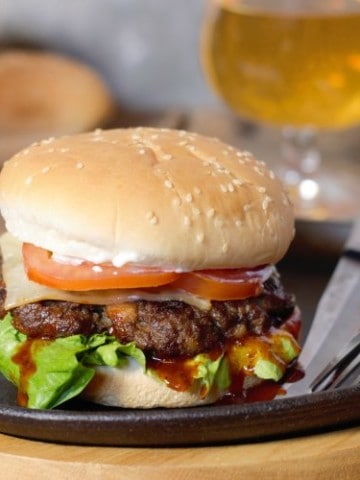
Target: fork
[336, 323]
[343, 370]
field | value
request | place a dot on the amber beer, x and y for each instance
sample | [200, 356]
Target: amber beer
[294, 66]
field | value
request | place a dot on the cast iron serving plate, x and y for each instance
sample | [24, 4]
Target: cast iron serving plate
[86, 424]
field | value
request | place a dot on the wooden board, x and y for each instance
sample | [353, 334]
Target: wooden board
[327, 456]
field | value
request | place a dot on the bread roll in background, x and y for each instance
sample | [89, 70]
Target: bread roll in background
[46, 94]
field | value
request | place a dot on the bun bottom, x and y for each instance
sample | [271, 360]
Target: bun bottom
[130, 387]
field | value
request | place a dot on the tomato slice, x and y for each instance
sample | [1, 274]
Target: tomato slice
[229, 284]
[233, 284]
[42, 268]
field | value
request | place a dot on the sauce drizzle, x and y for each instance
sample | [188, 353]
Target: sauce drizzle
[24, 358]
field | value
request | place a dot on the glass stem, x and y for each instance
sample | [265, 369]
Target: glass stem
[300, 154]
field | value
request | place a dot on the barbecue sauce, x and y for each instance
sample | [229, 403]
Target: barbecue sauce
[24, 358]
[178, 374]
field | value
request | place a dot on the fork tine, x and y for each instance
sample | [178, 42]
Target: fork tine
[346, 355]
[346, 373]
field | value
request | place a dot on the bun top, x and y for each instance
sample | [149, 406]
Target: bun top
[151, 196]
[48, 94]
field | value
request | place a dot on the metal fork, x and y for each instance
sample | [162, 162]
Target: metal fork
[336, 323]
[343, 370]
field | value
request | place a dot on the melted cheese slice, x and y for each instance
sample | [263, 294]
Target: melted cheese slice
[20, 290]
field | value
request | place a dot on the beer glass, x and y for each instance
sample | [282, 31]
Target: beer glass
[295, 64]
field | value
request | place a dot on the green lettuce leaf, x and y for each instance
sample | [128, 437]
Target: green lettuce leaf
[61, 368]
[56, 371]
[211, 372]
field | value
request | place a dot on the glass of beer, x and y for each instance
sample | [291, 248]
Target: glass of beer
[294, 64]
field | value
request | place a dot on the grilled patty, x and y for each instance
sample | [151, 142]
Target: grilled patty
[161, 329]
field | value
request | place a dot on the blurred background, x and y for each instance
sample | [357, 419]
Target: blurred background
[146, 50]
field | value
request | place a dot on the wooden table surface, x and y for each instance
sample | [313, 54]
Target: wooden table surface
[330, 456]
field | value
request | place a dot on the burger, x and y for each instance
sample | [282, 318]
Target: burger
[139, 271]
[44, 93]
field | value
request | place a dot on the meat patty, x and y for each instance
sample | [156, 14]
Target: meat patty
[162, 329]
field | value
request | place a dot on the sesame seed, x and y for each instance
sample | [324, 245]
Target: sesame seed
[168, 184]
[153, 219]
[97, 269]
[25, 152]
[45, 169]
[51, 150]
[223, 188]
[97, 131]
[258, 170]
[223, 170]
[191, 148]
[230, 187]
[176, 201]
[79, 165]
[135, 136]
[47, 141]
[188, 197]
[238, 223]
[197, 190]
[155, 136]
[210, 213]
[265, 202]
[167, 156]
[182, 133]
[225, 152]
[246, 207]
[142, 151]
[186, 221]
[225, 247]
[237, 181]
[183, 143]
[64, 150]
[261, 189]
[28, 180]
[196, 211]
[271, 175]
[200, 237]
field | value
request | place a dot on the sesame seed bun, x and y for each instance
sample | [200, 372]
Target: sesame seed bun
[43, 93]
[160, 197]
